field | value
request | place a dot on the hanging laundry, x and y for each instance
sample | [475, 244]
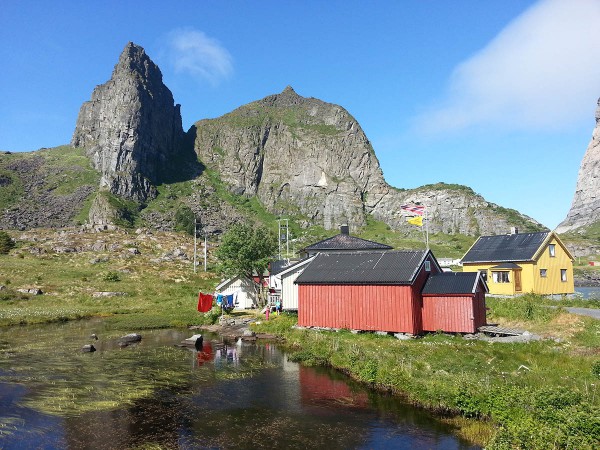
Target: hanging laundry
[229, 300]
[204, 302]
[219, 299]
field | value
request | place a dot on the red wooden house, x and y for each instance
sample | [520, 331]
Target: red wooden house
[382, 291]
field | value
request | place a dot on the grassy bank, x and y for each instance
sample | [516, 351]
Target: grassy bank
[151, 275]
[537, 395]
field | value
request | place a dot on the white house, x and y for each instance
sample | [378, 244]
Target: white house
[289, 290]
[245, 296]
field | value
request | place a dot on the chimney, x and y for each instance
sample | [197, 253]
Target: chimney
[345, 229]
[514, 230]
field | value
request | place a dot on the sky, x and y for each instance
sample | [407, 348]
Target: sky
[497, 95]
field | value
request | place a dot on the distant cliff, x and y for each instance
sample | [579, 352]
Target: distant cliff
[311, 159]
[585, 209]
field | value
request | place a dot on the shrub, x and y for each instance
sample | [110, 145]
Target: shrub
[111, 276]
[6, 243]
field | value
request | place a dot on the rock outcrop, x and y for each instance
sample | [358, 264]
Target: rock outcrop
[311, 159]
[131, 129]
[585, 209]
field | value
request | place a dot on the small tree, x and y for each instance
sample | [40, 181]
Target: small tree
[244, 251]
[6, 243]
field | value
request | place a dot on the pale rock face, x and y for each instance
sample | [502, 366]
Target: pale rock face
[308, 157]
[131, 129]
[585, 209]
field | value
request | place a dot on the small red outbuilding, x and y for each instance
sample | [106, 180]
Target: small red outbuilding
[454, 302]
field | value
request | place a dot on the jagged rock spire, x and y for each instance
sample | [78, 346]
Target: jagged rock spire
[585, 209]
[131, 128]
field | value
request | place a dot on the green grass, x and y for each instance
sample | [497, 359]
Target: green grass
[536, 395]
[157, 294]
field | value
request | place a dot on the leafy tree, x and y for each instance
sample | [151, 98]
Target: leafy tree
[6, 243]
[245, 250]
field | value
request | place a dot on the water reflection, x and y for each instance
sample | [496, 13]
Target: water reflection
[226, 395]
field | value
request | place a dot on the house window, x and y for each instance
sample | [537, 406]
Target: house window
[500, 277]
[427, 266]
[552, 250]
[563, 274]
[483, 275]
[543, 273]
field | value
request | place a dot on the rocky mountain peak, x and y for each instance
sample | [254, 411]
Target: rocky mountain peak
[585, 209]
[286, 98]
[131, 129]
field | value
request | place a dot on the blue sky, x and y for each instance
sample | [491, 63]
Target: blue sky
[498, 95]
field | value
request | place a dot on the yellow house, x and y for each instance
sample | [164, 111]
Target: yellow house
[517, 263]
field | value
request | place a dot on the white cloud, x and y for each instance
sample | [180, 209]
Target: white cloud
[193, 52]
[542, 71]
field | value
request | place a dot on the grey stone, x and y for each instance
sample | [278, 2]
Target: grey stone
[108, 294]
[131, 128]
[88, 348]
[33, 291]
[585, 208]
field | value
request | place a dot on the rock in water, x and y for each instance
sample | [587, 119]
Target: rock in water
[131, 129]
[585, 209]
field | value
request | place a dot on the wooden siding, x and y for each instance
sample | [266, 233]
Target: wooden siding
[454, 313]
[359, 307]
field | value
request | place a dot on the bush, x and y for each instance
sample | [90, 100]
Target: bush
[111, 276]
[6, 243]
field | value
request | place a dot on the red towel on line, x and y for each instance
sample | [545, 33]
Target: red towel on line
[205, 302]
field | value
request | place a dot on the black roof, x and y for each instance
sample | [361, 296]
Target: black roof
[507, 265]
[452, 283]
[506, 247]
[391, 267]
[346, 242]
[278, 266]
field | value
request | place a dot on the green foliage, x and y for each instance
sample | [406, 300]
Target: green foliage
[244, 250]
[11, 188]
[185, 220]
[126, 211]
[111, 276]
[596, 369]
[6, 243]
[528, 307]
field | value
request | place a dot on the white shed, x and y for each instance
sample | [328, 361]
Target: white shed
[245, 296]
[289, 290]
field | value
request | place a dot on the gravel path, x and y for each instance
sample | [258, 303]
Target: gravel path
[595, 313]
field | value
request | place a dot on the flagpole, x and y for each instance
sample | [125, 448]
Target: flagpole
[426, 230]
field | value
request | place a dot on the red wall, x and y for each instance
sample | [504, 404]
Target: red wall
[359, 307]
[454, 313]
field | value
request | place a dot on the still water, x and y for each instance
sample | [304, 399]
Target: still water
[156, 395]
[588, 292]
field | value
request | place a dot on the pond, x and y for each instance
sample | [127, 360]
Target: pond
[156, 395]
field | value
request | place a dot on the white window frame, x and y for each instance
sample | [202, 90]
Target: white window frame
[428, 266]
[500, 276]
[552, 250]
[563, 275]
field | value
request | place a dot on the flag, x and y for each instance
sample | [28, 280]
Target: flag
[417, 220]
[415, 209]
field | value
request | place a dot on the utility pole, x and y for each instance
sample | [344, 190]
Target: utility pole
[205, 250]
[195, 243]
[285, 229]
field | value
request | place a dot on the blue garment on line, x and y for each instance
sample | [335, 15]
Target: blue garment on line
[229, 300]
[219, 299]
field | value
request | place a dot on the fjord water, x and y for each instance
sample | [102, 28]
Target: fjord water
[156, 395]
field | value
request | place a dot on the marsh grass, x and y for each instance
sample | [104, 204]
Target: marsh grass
[541, 394]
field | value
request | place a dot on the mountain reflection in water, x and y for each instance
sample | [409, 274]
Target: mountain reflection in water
[227, 395]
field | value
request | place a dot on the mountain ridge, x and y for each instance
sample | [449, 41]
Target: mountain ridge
[287, 155]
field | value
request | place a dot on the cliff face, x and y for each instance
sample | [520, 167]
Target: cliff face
[131, 129]
[309, 158]
[585, 209]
